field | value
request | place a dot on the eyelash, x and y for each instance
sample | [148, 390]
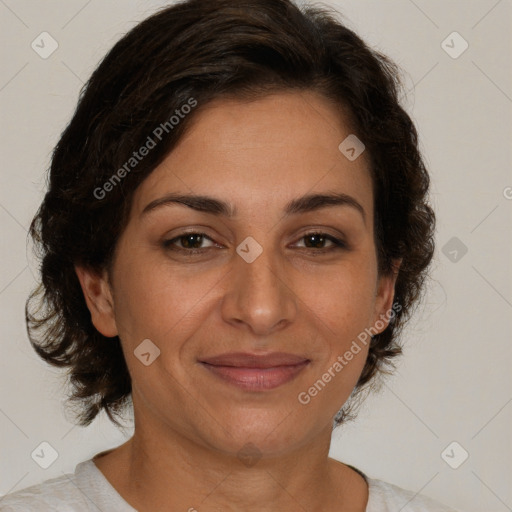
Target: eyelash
[337, 244]
[170, 244]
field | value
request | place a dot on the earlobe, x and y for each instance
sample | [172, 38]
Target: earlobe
[99, 299]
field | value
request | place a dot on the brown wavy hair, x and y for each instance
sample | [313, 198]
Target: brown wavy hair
[210, 49]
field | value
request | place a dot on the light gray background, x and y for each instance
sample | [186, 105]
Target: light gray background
[454, 383]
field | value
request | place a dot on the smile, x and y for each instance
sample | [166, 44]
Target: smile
[257, 379]
[256, 373]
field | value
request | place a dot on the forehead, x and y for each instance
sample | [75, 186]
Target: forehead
[267, 150]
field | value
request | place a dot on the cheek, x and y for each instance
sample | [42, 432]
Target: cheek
[343, 309]
[156, 301]
[343, 301]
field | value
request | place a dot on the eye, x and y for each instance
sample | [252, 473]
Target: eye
[190, 242]
[321, 241]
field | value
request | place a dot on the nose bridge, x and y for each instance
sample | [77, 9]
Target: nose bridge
[257, 296]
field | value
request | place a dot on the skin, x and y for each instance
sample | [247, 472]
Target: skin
[297, 297]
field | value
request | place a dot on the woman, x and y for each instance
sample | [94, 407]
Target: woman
[235, 231]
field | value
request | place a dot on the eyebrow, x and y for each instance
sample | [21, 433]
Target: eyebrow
[196, 202]
[304, 204]
[313, 202]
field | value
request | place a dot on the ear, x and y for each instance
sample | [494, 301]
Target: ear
[384, 310]
[100, 302]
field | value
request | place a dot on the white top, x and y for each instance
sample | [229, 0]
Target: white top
[87, 490]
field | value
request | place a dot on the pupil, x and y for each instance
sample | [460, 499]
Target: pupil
[315, 241]
[192, 241]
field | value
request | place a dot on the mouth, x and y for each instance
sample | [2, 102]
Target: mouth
[252, 372]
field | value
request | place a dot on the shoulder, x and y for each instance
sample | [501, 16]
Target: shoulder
[56, 494]
[385, 497]
[67, 493]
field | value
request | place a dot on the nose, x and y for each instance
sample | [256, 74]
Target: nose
[257, 297]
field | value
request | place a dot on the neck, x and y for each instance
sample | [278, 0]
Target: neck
[152, 481]
[162, 469]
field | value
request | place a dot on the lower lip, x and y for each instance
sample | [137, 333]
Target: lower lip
[257, 379]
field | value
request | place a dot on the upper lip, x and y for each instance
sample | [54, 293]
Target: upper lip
[247, 360]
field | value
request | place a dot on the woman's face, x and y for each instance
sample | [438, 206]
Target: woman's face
[254, 236]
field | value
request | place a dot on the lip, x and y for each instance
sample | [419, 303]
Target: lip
[254, 372]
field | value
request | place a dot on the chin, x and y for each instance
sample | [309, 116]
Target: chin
[266, 432]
